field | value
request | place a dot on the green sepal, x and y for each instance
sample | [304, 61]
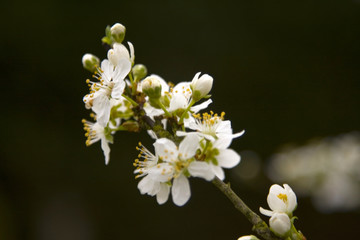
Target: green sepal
[108, 136]
[186, 173]
[196, 96]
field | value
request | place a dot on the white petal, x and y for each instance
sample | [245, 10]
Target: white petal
[201, 169]
[224, 127]
[122, 69]
[107, 67]
[195, 78]
[188, 146]
[148, 185]
[219, 172]
[223, 142]
[162, 172]
[291, 198]
[163, 195]
[180, 190]
[274, 202]
[166, 149]
[152, 134]
[101, 106]
[239, 134]
[132, 52]
[266, 212]
[118, 89]
[106, 149]
[228, 158]
[178, 101]
[201, 106]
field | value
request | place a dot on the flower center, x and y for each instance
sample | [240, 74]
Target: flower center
[283, 197]
[208, 123]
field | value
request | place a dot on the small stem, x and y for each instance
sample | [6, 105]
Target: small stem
[133, 84]
[186, 110]
[164, 109]
[130, 100]
[259, 226]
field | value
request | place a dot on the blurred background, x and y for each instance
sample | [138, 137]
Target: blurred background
[285, 71]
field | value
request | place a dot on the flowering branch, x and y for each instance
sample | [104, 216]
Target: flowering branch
[259, 226]
[187, 144]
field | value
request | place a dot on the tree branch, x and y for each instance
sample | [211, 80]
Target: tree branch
[259, 226]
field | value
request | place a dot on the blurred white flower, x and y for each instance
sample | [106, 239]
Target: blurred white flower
[328, 170]
[248, 237]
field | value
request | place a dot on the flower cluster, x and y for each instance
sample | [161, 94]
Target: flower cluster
[123, 97]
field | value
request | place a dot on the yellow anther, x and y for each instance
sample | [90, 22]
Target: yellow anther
[283, 197]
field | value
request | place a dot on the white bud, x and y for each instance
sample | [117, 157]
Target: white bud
[118, 32]
[280, 223]
[151, 86]
[90, 62]
[248, 237]
[201, 86]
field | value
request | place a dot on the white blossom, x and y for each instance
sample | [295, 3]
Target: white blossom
[96, 132]
[280, 200]
[111, 85]
[171, 165]
[212, 127]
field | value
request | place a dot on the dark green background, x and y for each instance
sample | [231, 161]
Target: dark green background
[285, 71]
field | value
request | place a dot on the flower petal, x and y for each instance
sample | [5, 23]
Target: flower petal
[166, 149]
[106, 149]
[266, 212]
[291, 198]
[149, 186]
[201, 106]
[201, 169]
[188, 146]
[180, 190]
[219, 172]
[163, 195]
[101, 106]
[228, 158]
[118, 89]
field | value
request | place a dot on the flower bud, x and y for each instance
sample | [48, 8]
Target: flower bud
[139, 71]
[201, 86]
[248, 237]
[151, 86]
[131, 126]
[118, 32]
[90, 62]
[280, 223]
